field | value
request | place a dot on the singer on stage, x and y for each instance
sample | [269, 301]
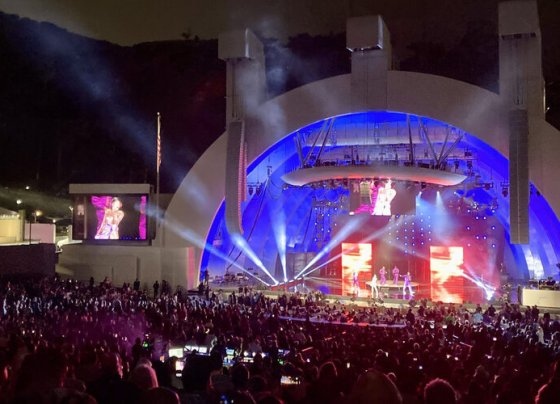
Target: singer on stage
[374, 290]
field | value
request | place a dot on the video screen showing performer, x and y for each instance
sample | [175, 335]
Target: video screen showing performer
[117, 217]
[108, 229]
[381, 198]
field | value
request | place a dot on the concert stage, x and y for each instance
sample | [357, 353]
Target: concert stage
[334, 289]
[330, 286]
[363, 300]
[331, 295]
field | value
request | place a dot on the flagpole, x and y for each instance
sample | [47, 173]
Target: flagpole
[158, 164]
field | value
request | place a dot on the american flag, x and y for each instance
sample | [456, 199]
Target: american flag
[158, 158]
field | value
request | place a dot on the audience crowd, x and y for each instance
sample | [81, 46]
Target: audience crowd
[63, 341]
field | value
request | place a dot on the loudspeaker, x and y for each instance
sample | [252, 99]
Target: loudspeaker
[519, 176]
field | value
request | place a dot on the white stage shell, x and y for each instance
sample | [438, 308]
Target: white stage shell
[475, 110]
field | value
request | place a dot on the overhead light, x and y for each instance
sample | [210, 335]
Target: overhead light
[19, 201]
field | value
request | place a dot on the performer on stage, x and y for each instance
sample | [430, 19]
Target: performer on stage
[395, 275]
[374, 287]
[382, 276]
[407, 280]
[355, 283]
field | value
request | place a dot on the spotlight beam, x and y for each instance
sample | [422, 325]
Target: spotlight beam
[367, 239]
[346, 230]
[202, 244]
[278, 221]
[242, 244]
[489, 289]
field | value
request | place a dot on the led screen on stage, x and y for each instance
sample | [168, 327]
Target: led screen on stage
[446, 269]
[356, 258]
[382, 198]
[110, 217]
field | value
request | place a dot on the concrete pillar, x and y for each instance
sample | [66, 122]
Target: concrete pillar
[245, 90]
[245, 69]
[522, 89]
[370, 43]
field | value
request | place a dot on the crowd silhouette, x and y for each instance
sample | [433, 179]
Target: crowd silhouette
[63, 341]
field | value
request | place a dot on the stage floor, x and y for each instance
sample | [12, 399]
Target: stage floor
[334, 288]
[331, 286]
[391, 294]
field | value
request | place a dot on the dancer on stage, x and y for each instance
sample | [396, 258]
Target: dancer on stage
[374, 287]
[355, 283]
[382, 276]
[395, 275]
[407, 280]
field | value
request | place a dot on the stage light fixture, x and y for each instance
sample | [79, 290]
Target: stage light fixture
[251, 190]
[505, 192]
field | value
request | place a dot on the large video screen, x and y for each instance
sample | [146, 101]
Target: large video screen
[110, 217]
[446, 269]
[382, 198]
[356, 258]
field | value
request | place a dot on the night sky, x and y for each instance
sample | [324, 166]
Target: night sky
[128, 22]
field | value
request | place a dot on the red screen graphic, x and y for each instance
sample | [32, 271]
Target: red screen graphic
[356, 258]
[446, 268]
